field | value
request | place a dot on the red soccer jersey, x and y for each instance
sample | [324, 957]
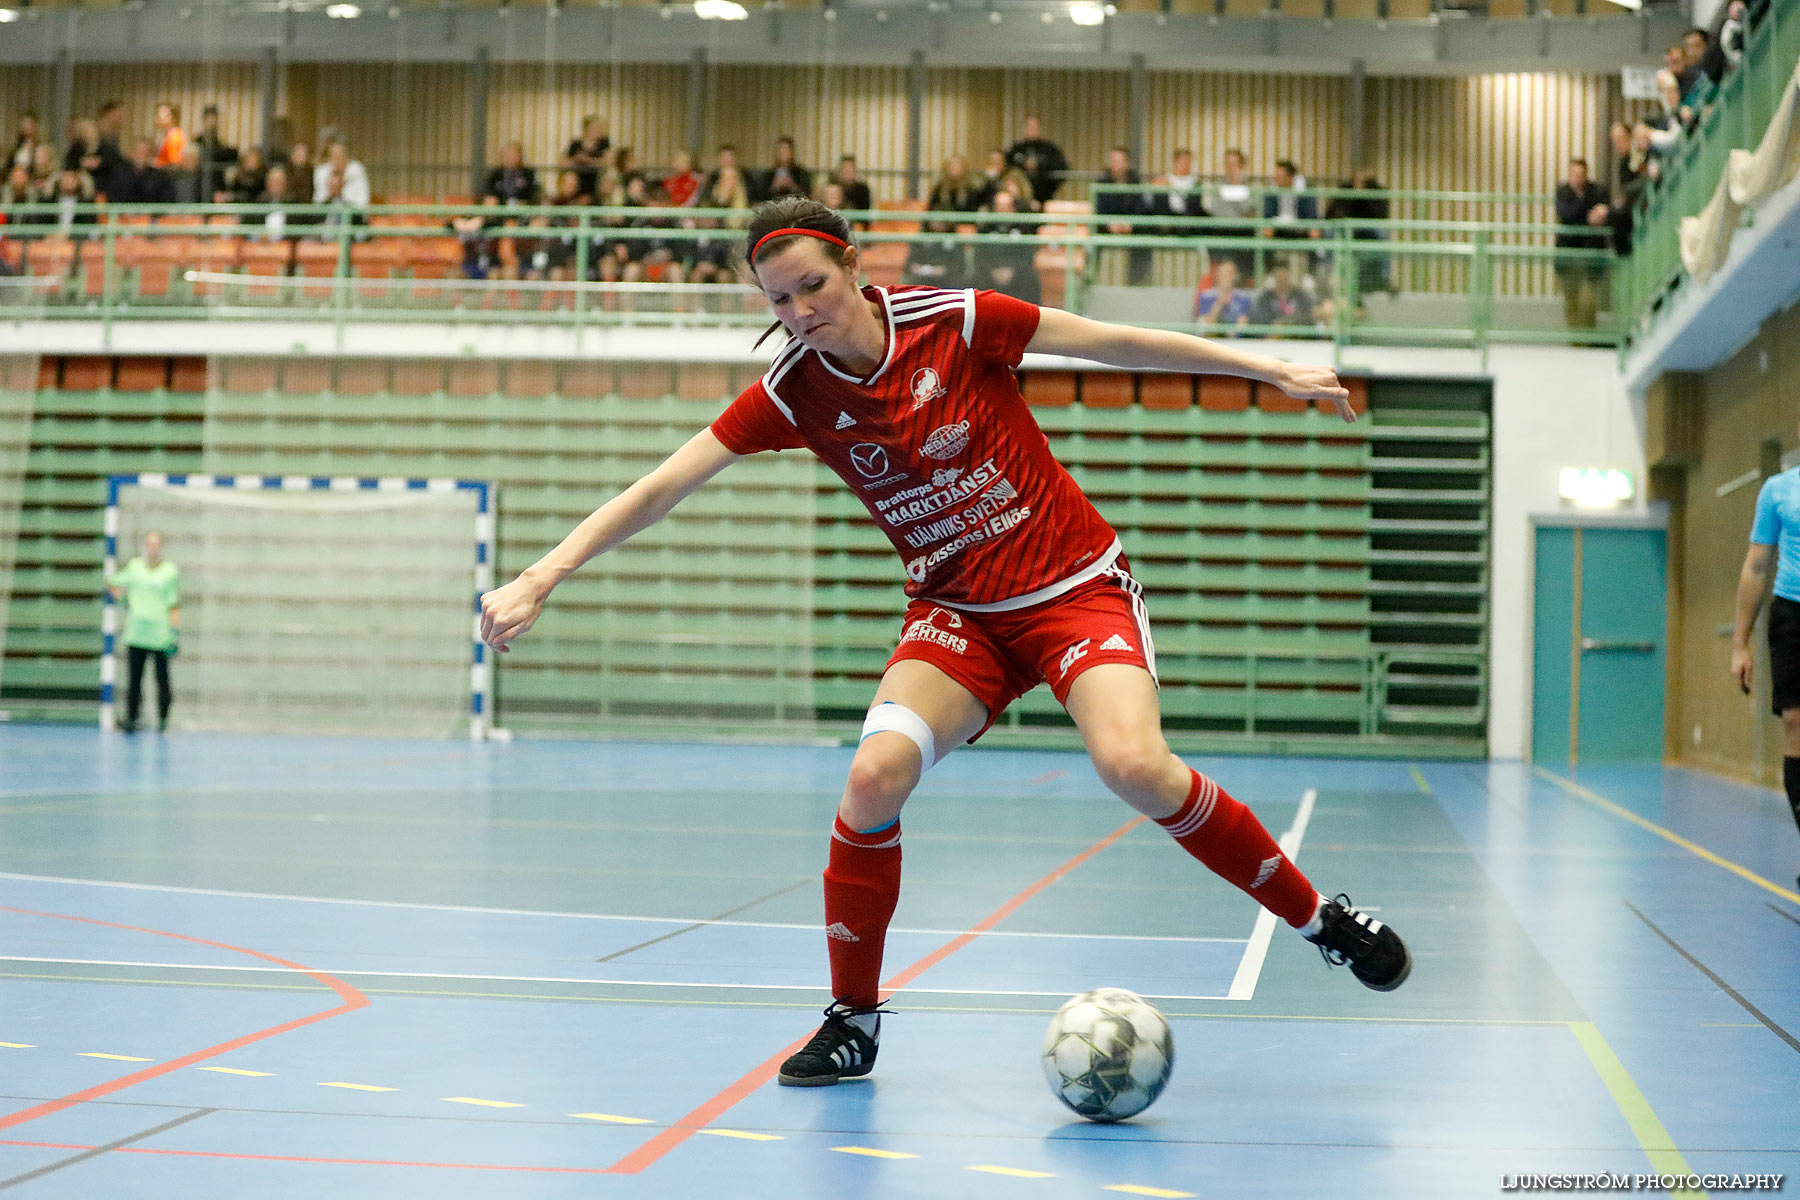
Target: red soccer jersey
[940, 447]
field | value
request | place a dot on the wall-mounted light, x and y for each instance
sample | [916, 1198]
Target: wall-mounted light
[343, 12]
[1087, 14]
[8, 14]
[720, 10]
[1594, 487]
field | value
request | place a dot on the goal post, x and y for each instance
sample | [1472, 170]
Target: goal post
[313, 604]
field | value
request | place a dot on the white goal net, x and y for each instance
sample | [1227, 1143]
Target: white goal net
[315, 606]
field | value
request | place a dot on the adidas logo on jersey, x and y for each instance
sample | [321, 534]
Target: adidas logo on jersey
[1117, 642]
[845, 420]
[838, 931]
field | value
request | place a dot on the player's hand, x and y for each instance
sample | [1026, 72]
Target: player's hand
[1304, 382]
[509, 612]
[1743, 665]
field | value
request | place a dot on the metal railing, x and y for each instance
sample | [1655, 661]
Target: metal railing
[1738, 117]
[1453, 282]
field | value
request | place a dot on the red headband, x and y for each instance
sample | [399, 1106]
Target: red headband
[811, 233]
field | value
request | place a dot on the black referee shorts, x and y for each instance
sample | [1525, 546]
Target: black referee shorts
[1784, 654]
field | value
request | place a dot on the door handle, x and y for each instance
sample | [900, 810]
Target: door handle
[1588, 643]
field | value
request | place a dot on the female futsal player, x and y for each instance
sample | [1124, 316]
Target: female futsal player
[1014, 578]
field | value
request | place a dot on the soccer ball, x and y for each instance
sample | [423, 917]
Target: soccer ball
[1108, 1054]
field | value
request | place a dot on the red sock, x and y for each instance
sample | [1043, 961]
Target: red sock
[862, 885]
[1227, 837]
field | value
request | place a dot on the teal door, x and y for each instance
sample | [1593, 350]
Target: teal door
[1598, 646]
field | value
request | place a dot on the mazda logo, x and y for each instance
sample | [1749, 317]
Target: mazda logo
[871, 460]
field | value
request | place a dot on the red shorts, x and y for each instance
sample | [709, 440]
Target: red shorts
[999, 656]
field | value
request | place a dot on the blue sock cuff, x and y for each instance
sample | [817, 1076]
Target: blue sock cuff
[881, 828]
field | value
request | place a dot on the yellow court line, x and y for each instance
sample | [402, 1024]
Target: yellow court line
[1419, 778]
[359, 1087]
[1016, 1172]
[482, 1103]
[743, 1135]
[18, 1045]
[236, 1071]
[1657, 1144]
[613, 1119]
[115, 1057]
[1135, 1190]
[1595, 798]
[868, 1153]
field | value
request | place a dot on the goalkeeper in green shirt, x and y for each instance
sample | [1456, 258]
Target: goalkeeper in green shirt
[150, 588]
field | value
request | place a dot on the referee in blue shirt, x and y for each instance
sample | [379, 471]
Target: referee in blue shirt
[1775, 535]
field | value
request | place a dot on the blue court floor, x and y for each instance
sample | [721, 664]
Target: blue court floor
[267, 967]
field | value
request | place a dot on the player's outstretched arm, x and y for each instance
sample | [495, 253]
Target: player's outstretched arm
[1060, 332]
[509, 612]
[1753, 583]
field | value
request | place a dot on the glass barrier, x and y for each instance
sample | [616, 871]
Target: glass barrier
[1400, 281]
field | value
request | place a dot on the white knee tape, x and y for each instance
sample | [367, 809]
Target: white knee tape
[897, 718]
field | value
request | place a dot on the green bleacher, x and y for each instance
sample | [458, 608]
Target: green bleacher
[1312, 585]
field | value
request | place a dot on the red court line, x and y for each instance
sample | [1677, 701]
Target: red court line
[352, 998]
[340, 1162]
[764, 1071]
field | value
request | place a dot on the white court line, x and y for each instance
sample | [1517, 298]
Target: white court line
[527, 912]
[647, 983]
[1243, 984]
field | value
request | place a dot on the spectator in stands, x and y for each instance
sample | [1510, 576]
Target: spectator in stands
[785, 177]
[43, 167]
[340, 209]
[1675, 62]
[148, 183]
[955, 190]
[709, 258]
[942, 262]
[682, 184]
[1223, 305]
[1675, 119]
[1282, 303]
[1009, 266]
[587, 154]
[1232, 201]
[642, 256]
[512, 182]
[27, 141]
[355, 189]
[1287, 209]
[1120, 172]
[170, 140]
[18, 190]
[184, 182]
[301, 171]
[83, 153]
[1700, 86]
[857, 196]
[832, 195]
[218, 160]
[1371, 266]
[997, 174]
[74, 189]
[1582, 210]
[275, 194]
[113, 177]
[624, 169]
[475, 232]
[558, 249]
[1731, 35]
[1628, 182]
[1041, 159]
[247, 182]
[1180, 195]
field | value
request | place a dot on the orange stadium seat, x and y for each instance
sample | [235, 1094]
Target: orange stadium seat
[266, 258]
[1224, 393]
[1164, 390]
[1108, 389]
[376, 260]
[140, 374]
[316, 260]
[885, 261]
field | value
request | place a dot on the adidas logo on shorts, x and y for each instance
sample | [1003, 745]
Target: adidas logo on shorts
[845, 420]
[1117, 642]
[838, 931]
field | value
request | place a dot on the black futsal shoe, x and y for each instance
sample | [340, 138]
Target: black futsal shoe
[844, 1048]
[1373, 951]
